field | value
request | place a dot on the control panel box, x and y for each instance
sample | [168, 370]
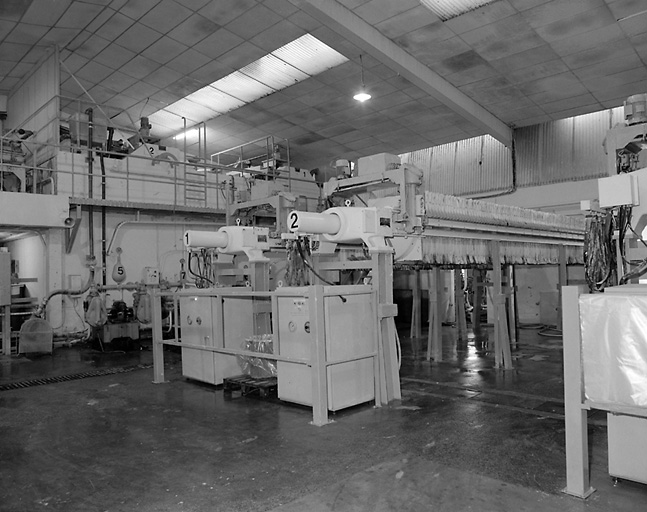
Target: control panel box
[151, 275]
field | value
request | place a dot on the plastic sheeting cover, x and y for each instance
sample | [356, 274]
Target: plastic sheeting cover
[257, 367]
[614, 348]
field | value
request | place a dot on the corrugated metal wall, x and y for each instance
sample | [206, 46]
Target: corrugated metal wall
[565, 150]
[467, 167]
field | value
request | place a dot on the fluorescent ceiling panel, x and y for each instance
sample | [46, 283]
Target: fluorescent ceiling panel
[190, 110]
[309, 55]
[274, 72]
[242, 87]
[448, 9]
[296, 61]
[166, 119]
[215, 100]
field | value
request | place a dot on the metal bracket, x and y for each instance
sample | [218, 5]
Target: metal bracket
[73, 222]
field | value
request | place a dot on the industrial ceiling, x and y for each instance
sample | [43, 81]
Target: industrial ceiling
[507, 64]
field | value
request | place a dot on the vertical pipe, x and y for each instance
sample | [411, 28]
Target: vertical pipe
[496, 298]
[103, 220]
[183, 166]
[416, 325]
[204, 158]
[90, 186]
[512, 307]
[459, 305]
[562, 280]
[434, 336]
[90, 159]
[476, 303]
[287, 144]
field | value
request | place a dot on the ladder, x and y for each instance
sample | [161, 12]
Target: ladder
[195, 186]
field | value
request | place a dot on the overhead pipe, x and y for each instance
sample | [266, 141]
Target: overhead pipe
[103, 219]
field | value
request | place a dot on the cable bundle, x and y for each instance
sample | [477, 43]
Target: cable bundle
[201, 268]
[599, 253]
[296, 270]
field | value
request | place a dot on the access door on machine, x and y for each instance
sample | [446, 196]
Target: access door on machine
[196, 313]
[349, 333]
[223, 322]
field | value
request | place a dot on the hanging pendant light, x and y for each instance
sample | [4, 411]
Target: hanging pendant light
[362, 95]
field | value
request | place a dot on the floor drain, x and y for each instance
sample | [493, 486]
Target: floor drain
[74, 376]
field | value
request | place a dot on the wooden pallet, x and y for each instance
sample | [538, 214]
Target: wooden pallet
[248, 386]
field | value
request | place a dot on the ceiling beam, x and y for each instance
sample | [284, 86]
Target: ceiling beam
[356, 30]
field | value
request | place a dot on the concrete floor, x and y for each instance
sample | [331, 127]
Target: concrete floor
[464, 437]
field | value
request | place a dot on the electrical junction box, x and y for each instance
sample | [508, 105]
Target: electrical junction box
[618, 190]
[377, 163]
[151, 275]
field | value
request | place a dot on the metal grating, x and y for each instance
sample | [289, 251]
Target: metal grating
[74, 376]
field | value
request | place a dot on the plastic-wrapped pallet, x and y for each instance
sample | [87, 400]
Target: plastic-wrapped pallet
[258, 367]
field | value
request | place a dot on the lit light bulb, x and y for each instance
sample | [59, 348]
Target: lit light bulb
[362, 96]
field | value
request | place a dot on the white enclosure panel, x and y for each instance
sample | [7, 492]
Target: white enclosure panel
[614, 348]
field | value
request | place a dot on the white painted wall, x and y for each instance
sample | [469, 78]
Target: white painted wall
[144, 244]
[31, 255]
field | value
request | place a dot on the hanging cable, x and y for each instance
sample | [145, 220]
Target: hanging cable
[599, 253]
[310, 267]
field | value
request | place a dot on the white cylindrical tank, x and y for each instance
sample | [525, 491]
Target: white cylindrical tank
[352, 227]
[313, 223]
[339, 224]
[206, 239]
[236, 240]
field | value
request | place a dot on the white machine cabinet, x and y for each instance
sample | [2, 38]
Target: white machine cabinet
[350, 332]
[605, 363]
[197, 329]
[614, 360]
[221, 322]
[627, 437]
